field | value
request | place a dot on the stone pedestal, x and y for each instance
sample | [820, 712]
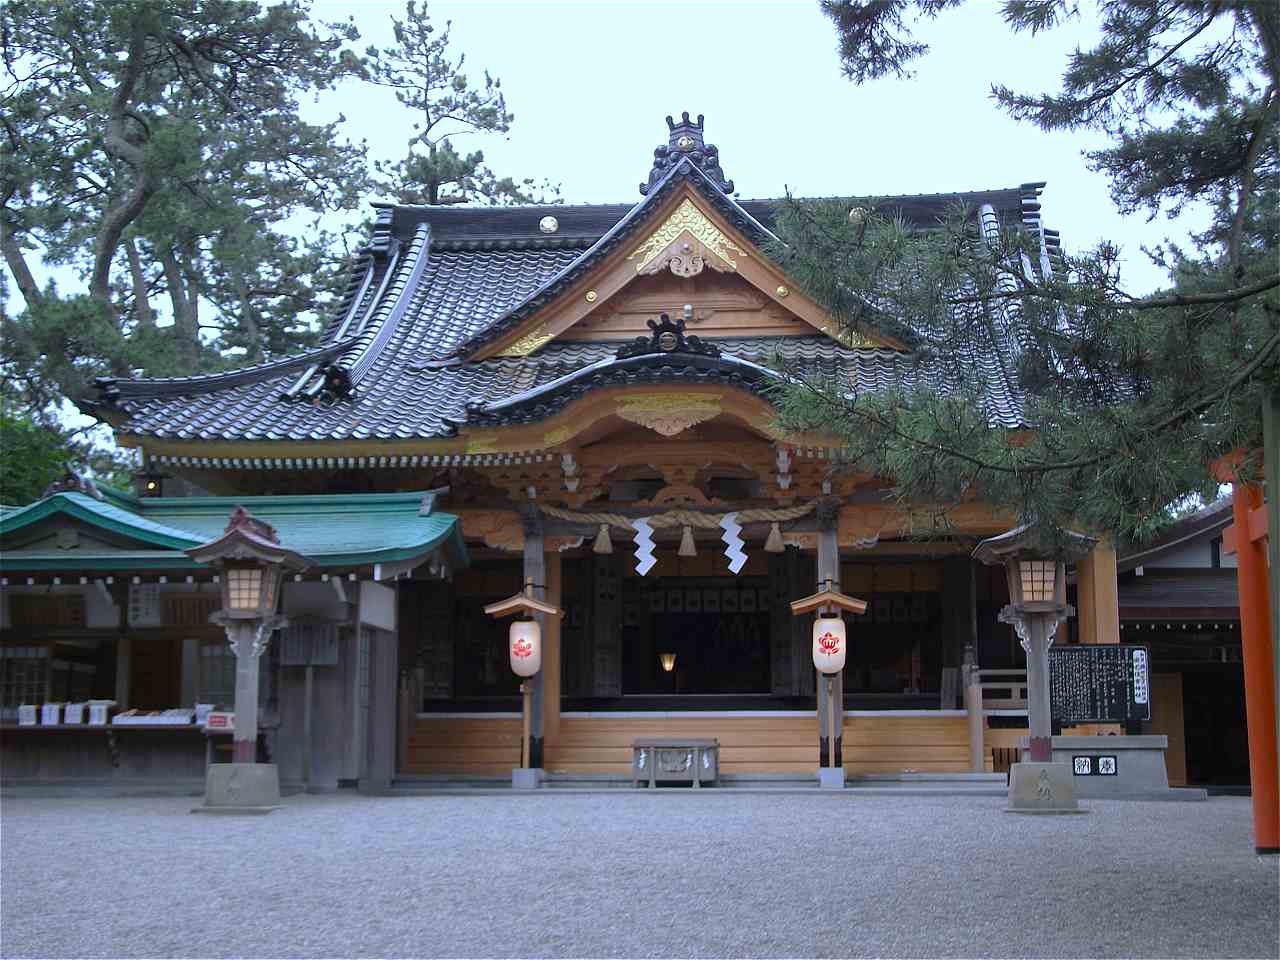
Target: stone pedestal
[527, 778]
[1041, 788]
[1130, 767]
[831, 778]
[241, 788]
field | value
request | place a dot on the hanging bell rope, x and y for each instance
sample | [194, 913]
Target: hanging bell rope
[603, 544]
[687, 548]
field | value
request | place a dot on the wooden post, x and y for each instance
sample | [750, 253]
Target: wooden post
[1259, 668]
[830, 738]
[307, 700]
[551, 655]
[973, 704]
[1271, 468]
[526, 701]
[1098, 596]
[535, 569]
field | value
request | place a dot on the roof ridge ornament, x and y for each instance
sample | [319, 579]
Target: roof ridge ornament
[685, 140]
[73, 482]
[668, 337]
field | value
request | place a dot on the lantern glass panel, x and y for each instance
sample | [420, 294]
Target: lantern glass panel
[244, 584]
[1038, 579]
[668, 661]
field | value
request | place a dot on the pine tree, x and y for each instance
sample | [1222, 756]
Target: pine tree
[428, 80]
[1127, 398]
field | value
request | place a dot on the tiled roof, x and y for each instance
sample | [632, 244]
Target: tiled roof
[436, 284]
[335, 530]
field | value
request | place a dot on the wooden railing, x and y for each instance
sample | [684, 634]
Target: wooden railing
[987, 692]
[1011, 683]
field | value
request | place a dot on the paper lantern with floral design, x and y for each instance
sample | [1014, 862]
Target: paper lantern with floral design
[830, 644]
[526, 647]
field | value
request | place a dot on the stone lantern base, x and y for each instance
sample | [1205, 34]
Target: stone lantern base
[241, 788]
[1042, 788]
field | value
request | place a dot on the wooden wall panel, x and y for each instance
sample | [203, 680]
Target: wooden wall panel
[783, 744]
[479, 747]
[1167, 718]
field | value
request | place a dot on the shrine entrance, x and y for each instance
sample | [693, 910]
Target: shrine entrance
[698, 636]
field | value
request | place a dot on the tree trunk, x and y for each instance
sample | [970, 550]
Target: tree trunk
[185, 321]
[249, 324]
[142, 311]
[17, 264]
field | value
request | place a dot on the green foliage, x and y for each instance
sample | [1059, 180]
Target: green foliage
[33, 455]
[1125, 400]
[429, 81]
[156, 148]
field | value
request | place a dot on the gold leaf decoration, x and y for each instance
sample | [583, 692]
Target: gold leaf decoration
[687, 217]
[668, 413]
[850, 338]
[553, 438]
[530, 342]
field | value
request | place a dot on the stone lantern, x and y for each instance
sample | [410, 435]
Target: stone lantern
[1037, 577]
[251, 564]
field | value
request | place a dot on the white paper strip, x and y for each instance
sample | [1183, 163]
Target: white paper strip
[733, 541]
[644, 546]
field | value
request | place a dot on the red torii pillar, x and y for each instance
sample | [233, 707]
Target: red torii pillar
[1247, 537]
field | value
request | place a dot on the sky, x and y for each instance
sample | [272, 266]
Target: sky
[591, 82]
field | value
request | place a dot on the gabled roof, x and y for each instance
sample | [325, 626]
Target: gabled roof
[437, 284]
[330, 530]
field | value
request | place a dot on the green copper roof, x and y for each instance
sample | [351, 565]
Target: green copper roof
[330, 530]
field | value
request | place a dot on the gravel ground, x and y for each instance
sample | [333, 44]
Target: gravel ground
[619, 874]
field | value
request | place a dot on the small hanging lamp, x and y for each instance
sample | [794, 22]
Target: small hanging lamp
[774, 543]
[687, 549]
[603, 544]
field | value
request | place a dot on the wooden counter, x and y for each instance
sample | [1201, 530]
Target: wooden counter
[68, 753]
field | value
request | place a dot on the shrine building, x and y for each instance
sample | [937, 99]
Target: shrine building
[577, 397]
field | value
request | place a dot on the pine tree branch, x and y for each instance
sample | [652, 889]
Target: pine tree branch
[1175, 419]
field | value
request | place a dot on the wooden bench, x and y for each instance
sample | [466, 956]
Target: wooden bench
[684, 759]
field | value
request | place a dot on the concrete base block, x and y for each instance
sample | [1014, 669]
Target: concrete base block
[244, 788]
[1041, 788]
[831, 778]
[527, 778]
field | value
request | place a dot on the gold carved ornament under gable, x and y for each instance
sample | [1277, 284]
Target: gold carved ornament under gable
[531, 341]
[687, 217]
[850, 338]
[668, 413]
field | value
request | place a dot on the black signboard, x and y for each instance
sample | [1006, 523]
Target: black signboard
[1099, 683]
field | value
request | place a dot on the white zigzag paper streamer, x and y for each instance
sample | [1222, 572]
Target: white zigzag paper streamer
[733, 541]
[644, 546]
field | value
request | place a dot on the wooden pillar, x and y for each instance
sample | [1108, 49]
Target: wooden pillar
[551, 653]
[124, 658]
[1098, 599]
[830, 739]
[1259, 668]
[959, 616]
[535, 569]
[1271, 468]
[384, 657]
